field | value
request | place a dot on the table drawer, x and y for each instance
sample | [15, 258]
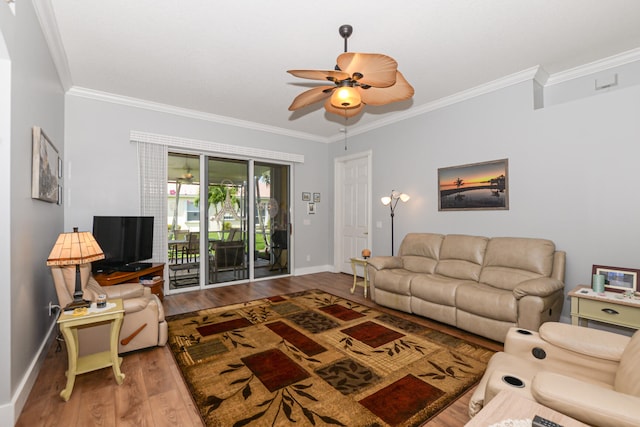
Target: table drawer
[610, 312]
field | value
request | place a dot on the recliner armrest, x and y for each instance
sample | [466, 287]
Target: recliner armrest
[124, 290]
[592, 404]
[133, 305]
[382, 262]
[592, 342]
[540, 287]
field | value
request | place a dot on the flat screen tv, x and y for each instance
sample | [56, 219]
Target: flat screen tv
[125, 241]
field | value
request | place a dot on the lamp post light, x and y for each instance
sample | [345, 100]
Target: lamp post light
[392, 201]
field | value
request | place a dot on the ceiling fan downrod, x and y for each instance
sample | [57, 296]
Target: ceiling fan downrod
[345, 32]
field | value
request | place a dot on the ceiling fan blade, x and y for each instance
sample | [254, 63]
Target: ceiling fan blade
[311, 96]
[344, 112]
[400, 91]
[329, 75]
[377, 70]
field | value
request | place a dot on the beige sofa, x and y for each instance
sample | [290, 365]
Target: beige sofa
[587, 374]
[479, 284]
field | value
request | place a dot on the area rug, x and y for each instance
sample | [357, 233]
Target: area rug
[312, 358]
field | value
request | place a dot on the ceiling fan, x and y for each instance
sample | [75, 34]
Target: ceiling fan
[359, 79]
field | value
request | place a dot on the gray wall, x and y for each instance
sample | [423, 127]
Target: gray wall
[573, 171]
[103, 171]
[29, 227]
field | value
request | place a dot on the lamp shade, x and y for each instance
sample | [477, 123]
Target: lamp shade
[385, 200]
[345, 97]
[75, 248]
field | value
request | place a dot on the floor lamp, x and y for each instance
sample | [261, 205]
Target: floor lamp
[74, 249]
[392, 201]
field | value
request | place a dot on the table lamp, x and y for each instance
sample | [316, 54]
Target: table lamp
[74, 249]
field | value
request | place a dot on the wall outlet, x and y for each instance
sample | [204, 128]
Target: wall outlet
[53, 307]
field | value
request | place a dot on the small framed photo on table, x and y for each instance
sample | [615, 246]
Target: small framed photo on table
[618, 279]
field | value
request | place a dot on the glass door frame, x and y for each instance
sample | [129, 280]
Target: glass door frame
[251, 220]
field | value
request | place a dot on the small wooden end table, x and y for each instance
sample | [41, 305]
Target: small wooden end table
[612, 308]
[365, 280]
[69, 324]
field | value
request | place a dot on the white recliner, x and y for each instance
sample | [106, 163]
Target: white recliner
[143, 325]
[587, 374]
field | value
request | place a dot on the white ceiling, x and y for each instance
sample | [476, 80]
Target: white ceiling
[228, 59]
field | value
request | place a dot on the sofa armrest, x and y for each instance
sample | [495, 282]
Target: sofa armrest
[124, 290]
[540, 287]
[382, 262]
[592, 342]
[590, 403]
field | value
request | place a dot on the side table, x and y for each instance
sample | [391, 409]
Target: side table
[365, 280]
[69, 324]
[612, 308]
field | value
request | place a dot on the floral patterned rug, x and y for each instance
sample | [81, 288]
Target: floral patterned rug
[312, 358]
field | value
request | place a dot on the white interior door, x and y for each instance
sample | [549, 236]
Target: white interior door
[353, 212]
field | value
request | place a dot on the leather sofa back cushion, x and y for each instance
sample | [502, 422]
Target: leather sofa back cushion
[420, 251]
[461, 256]
[628, 374]
[511, 260]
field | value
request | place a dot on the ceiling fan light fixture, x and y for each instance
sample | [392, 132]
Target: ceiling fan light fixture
[345, 97]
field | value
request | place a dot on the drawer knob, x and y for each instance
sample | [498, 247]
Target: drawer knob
[610, 311]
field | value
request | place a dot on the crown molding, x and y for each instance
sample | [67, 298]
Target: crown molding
[595, 67]
[533, 73]
[185, 112]
[47, 20]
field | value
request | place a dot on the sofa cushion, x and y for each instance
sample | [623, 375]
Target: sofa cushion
[511, 260]
[420, 251]
[487, 301]
[436, 289]
[461, 256]
[628, 374]
[394, 281]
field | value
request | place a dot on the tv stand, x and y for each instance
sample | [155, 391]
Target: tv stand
[117, 277]
[134, 266]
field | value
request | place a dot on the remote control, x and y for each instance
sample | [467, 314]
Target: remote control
[538, 421]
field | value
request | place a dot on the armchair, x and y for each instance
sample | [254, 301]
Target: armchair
[143, 324]
[587, 374]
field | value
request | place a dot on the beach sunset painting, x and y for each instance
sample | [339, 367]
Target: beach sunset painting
[476, 186]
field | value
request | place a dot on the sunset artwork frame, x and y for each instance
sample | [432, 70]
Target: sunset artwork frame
[474, 186]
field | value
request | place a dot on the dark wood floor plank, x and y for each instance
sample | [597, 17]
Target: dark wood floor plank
[154, 394]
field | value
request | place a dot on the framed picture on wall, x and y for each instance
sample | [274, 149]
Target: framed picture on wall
[306, 197]
[316, 197]
[617, 279]
[46, 168]
[475, 186]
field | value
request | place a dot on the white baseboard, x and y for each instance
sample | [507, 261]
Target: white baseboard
[312, 270]
[12, 410]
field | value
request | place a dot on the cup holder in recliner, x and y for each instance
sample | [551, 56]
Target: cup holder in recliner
[513, 381]
[524, 332]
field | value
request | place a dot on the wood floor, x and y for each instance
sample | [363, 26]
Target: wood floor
[153, 393]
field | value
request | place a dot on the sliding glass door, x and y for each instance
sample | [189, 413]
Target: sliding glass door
[227, 220]
[272, 227]
[241, 232]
